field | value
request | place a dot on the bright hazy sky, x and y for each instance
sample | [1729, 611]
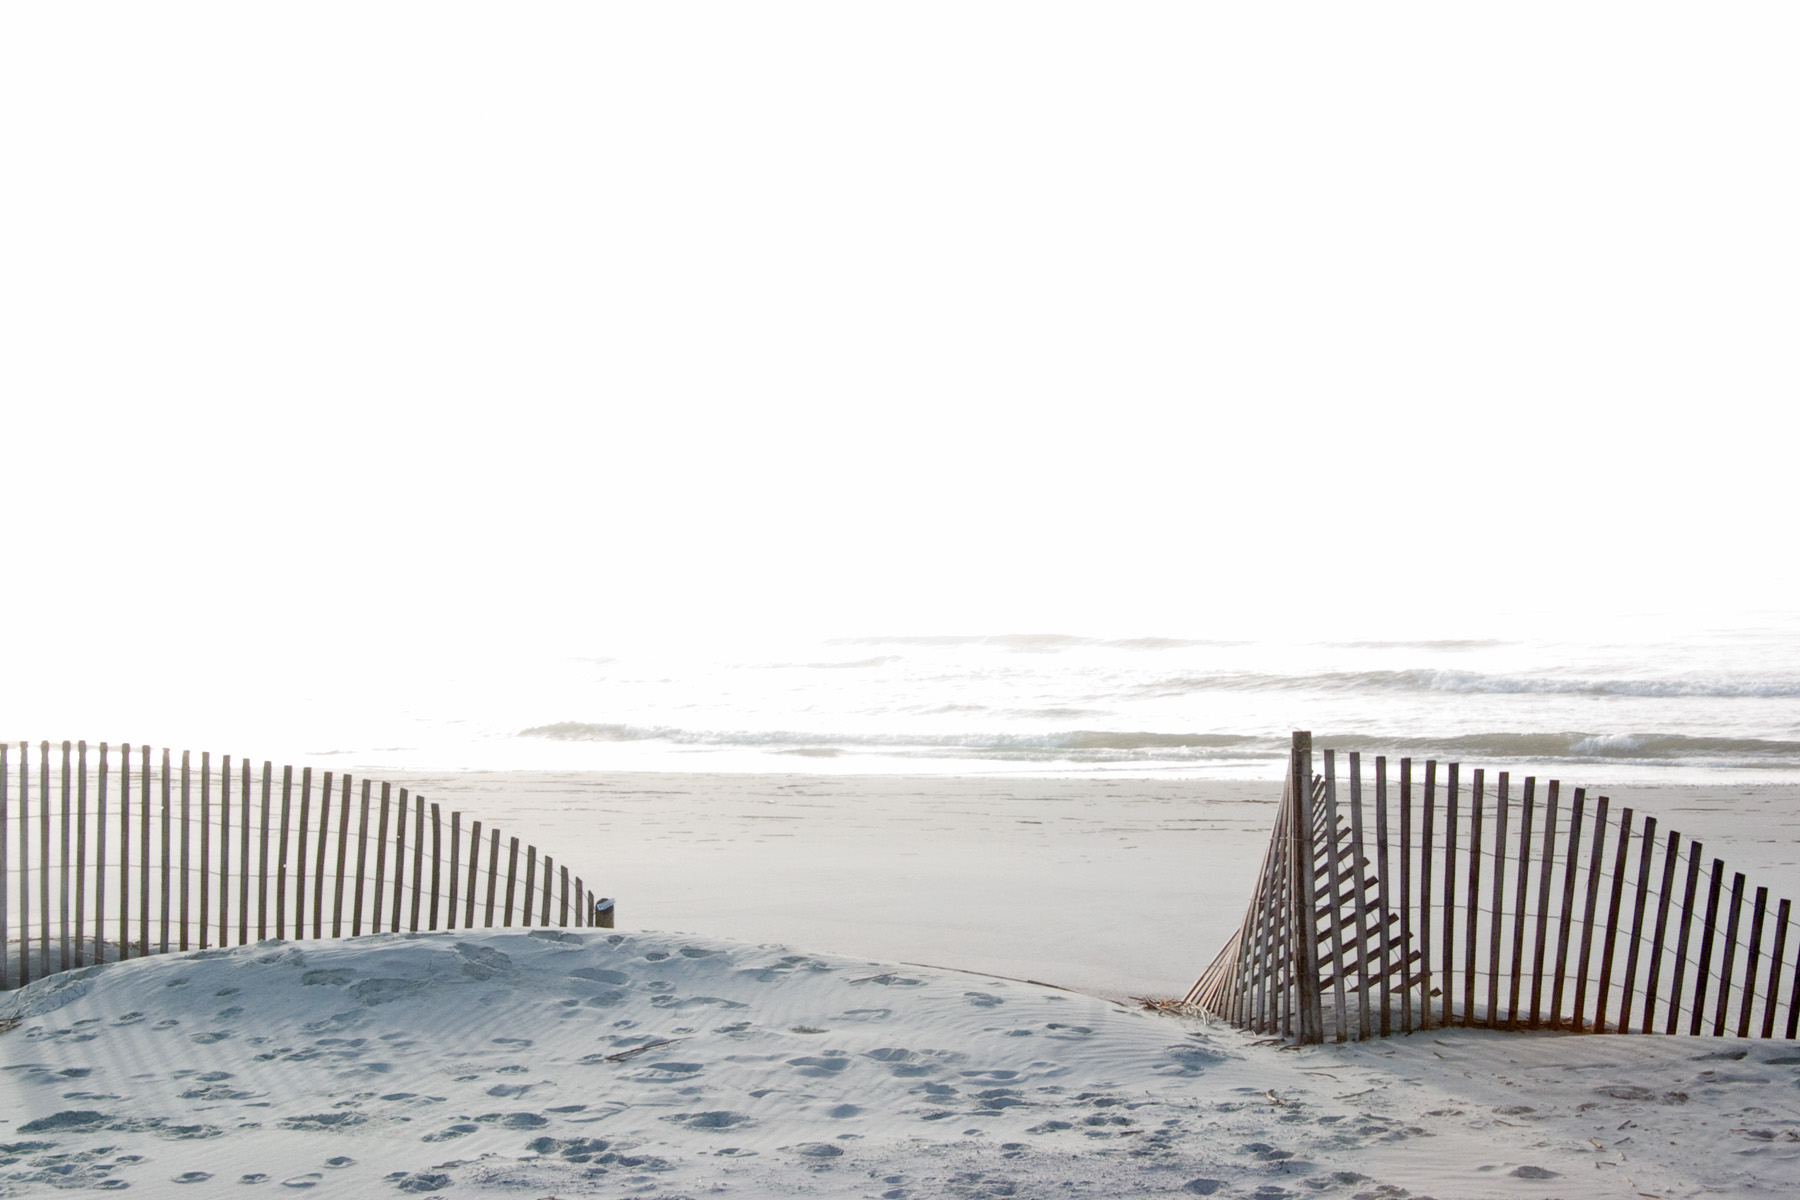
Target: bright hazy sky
[391, 323]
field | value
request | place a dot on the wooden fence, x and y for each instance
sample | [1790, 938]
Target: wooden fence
[1451, 899]
[104, 860]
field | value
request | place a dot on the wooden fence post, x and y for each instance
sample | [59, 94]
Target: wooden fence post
[186, 841]
[1304, 961]
[1381, 897]
[1707, 927]
[5, 871]
[1497, 919]
[1754, 950]
[1781, 929]
[1359, 866]
[162, 912]
[362, 859]
[99, 863]
[399, 858]
[1612, 921]
[437, 841]
[81, 796]
[281, 852]
[381, 842]
[1731, 932]
[418, 869]
[1523, 892]
[1637, 921]
[62, 877]
[300, 854]
[455, 851]
[1406, 939]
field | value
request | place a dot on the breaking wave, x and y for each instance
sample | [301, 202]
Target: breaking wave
[1477, 683]
[1101, 746]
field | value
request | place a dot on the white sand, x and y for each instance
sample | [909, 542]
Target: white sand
[511, 1062]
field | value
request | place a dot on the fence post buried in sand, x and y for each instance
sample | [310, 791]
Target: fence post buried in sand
[603, 913]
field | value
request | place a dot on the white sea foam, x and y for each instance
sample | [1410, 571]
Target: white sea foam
[1643, 699]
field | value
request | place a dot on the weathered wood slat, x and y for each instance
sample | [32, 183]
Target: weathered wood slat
[493, 875]
[1637, 921]
[1359, 866]
[1497, 917]
[262, 854]
[281, 852]
[225, 850]
[1775, 960]
[78, 932]
[1406, 908]
[5, 869]
[162, 911]
[1708, 927]
[62, 876]
[382, 819]
[455, 850]
[343, 856]
[1750, 960]
[548, 888]
[99, 864]
[1682, 935]
[474, 875]
[362, 856]
[1731, 936]
[400, 859]
[1578, 1018]
[1546, 870]
[244, 853]
[1381, 892]
[418, 859]
[325, 788]
[1609, 934]
[1336, 963]
[1472, 924]
[144, 816]
[437, 845]
[205, 847]
[512, 876]
[1566, 915]
[1447, 974]
[1527, 805]
[186, 824]
[300, 858]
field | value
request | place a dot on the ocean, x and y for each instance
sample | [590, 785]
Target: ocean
[1638, 699]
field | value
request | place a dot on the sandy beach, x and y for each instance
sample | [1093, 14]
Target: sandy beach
[1115, 887]
[761, 1024]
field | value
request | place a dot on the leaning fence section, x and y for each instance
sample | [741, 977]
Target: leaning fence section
[1406, 896]
[111, 852]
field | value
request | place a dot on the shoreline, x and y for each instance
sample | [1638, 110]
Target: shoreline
[996, 874]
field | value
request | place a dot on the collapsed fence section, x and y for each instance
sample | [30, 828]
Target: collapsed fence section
[1394, 901]
[117, 853]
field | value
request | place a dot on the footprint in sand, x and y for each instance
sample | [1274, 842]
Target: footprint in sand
[483, 962]
[820, 1065]
[722, 1119]
[575, 1150]
[454, 1131]
[322, 1122]
[601, 975]
[983, 999]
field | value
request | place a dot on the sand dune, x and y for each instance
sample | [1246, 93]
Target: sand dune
[561, 1063]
